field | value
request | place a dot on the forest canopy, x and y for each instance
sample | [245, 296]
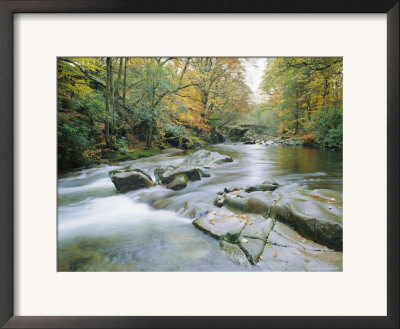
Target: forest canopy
[303, 96]
[122, 108]
[122, 104]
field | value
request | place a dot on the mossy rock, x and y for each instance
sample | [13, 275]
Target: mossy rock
[178, 183]
[129, 180]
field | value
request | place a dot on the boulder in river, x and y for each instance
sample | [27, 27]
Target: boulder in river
[206, 158]
[191, 167]
[178, 183]
[168, 174]
[129, 180]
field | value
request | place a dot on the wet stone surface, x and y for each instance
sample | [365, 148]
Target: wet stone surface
[316, 214]
[278, 228]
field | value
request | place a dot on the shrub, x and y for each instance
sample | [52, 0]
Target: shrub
[327, 127]
[122, 145]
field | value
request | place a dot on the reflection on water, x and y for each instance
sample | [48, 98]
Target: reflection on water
[100, 230]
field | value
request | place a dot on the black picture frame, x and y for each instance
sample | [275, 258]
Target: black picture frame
[7, 10]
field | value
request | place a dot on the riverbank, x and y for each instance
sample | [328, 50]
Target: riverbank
[232, 135]
[110, 157]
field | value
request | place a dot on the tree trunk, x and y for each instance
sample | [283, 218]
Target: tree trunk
[117, 87]
[108, 102]
[296, 116]
[149, 136]
[124, 90]
[111, 83]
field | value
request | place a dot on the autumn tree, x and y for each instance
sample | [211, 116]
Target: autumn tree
[300, 89]
[111, 105]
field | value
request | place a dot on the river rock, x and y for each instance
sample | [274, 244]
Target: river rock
[206, 159]
[286, 250]
[252, 248]
[247, 140]
[221, 225]
[178, 183]
[129, 180]
[231, 189]
[234, 253]
[259, 228]
[204, 172]
[219, 201]
[196, 208]
[265, 186]
[246, 231]
[255, 203]
[284, 236]
[284, 259]
[315, 214]
[168, 175]
[292, 142]
[158, 172]
[316, 217]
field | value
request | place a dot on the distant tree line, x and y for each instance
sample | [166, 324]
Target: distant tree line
[303, 97]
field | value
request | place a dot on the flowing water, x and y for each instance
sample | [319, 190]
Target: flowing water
[146, 230]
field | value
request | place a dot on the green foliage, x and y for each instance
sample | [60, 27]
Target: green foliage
[300, 95]
[174, 130]
[327, 127]
[122, 145]
[75, 135]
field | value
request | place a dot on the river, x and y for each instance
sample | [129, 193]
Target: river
[150, 229]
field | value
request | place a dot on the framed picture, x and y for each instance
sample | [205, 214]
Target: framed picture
[199, 164]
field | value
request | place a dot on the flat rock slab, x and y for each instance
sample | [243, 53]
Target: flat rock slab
[253, 248]
[315, 214]
[284, 259]
[284, 236]
[220, 225]
[309, 219]
[247, 232]
[258, 227]
[234, 253]
[324, 204]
